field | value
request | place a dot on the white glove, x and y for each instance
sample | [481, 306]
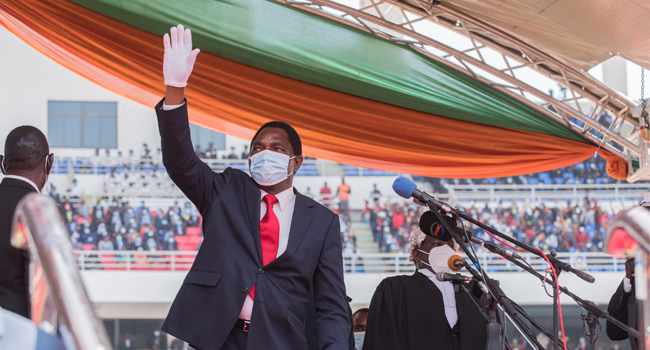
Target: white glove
[179, 57]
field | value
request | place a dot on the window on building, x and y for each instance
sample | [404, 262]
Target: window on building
[203, 137]
[82, 124]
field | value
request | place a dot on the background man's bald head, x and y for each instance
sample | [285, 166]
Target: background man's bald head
[25, 148]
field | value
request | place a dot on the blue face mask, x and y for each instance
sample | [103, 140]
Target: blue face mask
[269, 168]
[358, 339]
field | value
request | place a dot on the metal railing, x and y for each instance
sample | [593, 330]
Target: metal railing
[60, 304]
[102, 166]
[399, 263]
[493, 193]
[392, 263]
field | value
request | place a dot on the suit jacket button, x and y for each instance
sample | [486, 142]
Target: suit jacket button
[262, 271]
[244, 290]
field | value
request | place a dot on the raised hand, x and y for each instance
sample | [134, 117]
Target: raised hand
[179, 57]
[629, 268]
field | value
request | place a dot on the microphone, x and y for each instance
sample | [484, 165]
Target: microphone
[494, 248]
[455, 263]
[406, 188]
[448, 277]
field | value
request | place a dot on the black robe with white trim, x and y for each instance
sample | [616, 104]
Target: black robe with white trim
[408, 313]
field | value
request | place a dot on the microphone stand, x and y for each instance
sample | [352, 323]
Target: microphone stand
[558, 265]
[495, 336]
[592, 309]
[494, 289]
[591, 329]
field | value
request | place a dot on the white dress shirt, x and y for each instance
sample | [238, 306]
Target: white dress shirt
[16, 177]
[283, 209]
[627, 285]
[448, 296]
[170, 107]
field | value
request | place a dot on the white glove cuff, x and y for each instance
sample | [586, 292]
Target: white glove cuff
[176, 84]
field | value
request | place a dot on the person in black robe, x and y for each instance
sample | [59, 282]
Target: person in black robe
[409, 311]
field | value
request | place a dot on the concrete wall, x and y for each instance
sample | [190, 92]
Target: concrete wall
[28, 80]
[148, 294]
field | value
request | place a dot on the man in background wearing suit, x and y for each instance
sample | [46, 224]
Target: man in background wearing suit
[26, 164]
[265, 246]
[127, 343]
[622, 306]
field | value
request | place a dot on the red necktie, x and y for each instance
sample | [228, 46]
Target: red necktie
[269, 234]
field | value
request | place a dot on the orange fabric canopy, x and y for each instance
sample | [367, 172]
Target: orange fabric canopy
[236, 99]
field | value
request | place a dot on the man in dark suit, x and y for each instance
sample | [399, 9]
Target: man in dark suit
[26, 164]
[266, 246]
[127, 343]
[622, 306]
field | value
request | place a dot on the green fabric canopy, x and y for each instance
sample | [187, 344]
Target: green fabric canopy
[280, 39]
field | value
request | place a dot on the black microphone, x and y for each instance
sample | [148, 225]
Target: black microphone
[566, 267]
[448, 277]
[494, 248]
[406, 188]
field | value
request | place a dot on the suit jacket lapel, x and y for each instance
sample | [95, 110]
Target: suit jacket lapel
[303, 213]
[253, 205]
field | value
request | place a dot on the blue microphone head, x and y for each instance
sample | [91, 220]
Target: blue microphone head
[404, 187]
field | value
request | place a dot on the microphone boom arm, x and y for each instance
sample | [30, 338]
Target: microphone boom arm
[559, 265]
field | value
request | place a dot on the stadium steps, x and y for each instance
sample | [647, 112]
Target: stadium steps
[364, 237]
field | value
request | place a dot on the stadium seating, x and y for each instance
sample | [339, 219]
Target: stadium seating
[193, 231]
[533, 181]
[308, 169]
[188, 243]
[350, 170]
[108, 262]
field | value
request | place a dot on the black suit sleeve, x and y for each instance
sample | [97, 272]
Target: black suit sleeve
[353, 345]
[618, 309]
[330, 299]
[195, 178]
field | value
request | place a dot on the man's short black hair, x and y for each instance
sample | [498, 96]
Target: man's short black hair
[294, 139]
[25, 148]
[364, 309]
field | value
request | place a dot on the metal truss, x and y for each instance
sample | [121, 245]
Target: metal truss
[401, 21]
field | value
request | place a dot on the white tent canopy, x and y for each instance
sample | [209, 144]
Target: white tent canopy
[582, 33]
[504, 43]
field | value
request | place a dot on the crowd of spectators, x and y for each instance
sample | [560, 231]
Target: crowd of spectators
[211, 152]
[119, 226]
[116, 225]
[561, 226]
[145, 159]
[557, 225]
